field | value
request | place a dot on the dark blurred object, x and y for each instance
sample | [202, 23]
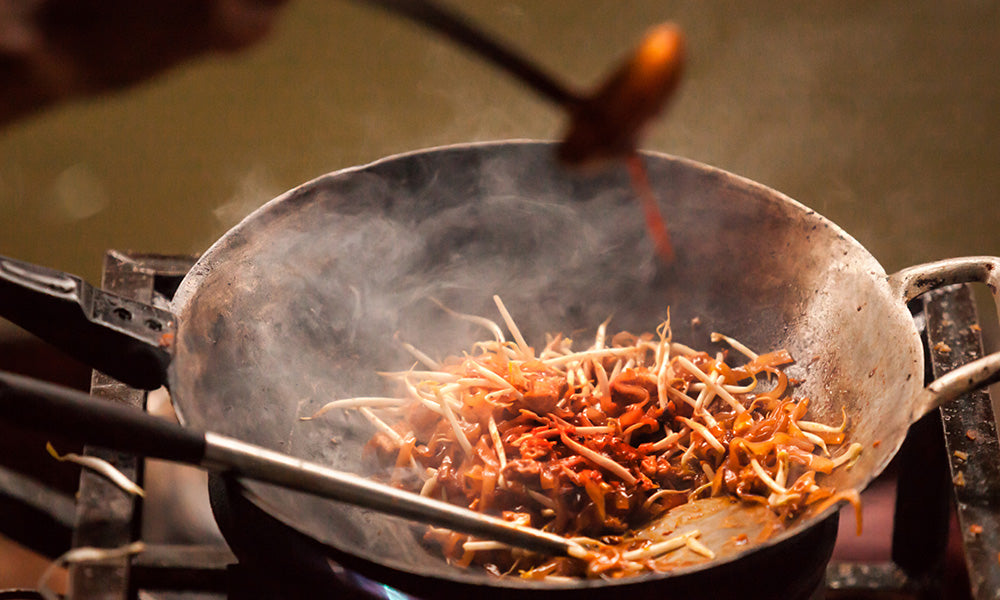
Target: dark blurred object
[24, 451]
[52, 50]
[36, 492]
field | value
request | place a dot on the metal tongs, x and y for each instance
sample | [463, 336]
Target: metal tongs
[605, 123]
[76, 416]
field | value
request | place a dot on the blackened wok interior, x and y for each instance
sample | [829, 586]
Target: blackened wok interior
[300, 303]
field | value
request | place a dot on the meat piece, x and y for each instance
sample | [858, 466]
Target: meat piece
[543, 393]
[535, 447]
[522, 470]
[384, 447]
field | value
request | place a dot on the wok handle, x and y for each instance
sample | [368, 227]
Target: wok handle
[911, 282]
[77, 416]
[120, 337]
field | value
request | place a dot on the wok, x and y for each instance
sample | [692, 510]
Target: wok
[301, 303]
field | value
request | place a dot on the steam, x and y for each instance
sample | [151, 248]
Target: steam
[310, 296]
[77, 194]
[253, 189]
[371, 276]
[302, 303]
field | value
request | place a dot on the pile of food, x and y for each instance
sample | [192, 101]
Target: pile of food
[595, 443]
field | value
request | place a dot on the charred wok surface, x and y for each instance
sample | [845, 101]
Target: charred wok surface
[297, 304]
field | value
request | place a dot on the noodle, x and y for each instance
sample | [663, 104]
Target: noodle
[599, 442]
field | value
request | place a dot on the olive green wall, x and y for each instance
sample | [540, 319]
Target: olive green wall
[882, 116]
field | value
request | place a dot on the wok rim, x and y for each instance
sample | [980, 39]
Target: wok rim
[208, 261]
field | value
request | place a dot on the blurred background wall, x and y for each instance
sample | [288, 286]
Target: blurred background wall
[880, 115]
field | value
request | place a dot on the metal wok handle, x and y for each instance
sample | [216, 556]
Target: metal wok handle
[117, 336]
[911, 282]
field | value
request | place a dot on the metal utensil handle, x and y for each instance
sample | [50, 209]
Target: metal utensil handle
[76, 416]
[911, 282]
[461, 31]
[117, 336]
[254, 462]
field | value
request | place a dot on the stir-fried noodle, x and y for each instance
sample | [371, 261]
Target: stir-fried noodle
[594, 443]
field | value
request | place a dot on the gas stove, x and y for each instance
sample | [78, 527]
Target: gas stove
[948, 471]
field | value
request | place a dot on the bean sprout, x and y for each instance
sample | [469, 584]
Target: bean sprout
[599, 442]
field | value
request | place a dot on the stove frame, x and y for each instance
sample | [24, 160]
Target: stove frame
[957, 445]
